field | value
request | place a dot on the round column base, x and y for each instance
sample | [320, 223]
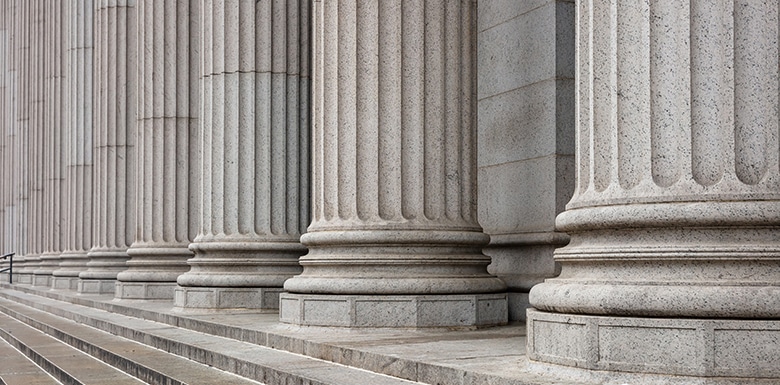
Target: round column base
[394, 311]
[96, 286]
[144, 290]
[673, 346]
[221, 298]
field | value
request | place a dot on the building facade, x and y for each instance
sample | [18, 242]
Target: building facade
[402, 163]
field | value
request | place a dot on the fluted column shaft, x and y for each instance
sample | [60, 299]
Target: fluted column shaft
[255, 154]
[21, 107]
[394, 192]
[168, 148]
[77, 144]
[5, 147]
[676, 212]
[40, 146]
[114, 224]
[55, 161]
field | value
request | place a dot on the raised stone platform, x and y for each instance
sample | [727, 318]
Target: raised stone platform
[495, 356]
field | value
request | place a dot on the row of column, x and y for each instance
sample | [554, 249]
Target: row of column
[675, 213]
[176, 143]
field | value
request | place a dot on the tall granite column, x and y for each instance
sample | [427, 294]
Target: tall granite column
[255, 154]
[168, 149]
[114, 187]
[54, 195]
[394, 240]
[675, 222]
[77, 144]
[21, 94]
[5, 245]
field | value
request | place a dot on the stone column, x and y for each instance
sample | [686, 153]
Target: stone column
[675, 222]
[114, 224]
[77, 144]
[255, 154]
[21, 93]
[168, 149]
[5, 245]
[55, 160]
[9, 133]
[34, 144]
[394, 240]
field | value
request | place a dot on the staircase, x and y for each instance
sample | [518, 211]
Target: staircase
[52, 336]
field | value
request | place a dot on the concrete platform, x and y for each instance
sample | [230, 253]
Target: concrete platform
[493, 356]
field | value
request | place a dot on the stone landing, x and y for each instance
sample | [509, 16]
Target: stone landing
[494, 355]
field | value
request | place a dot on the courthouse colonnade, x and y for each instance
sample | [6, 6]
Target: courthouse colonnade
[321, 158]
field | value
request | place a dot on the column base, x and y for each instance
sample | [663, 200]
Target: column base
[144, 290]
[402, 311]
[96, 286]
[41, 280]
[675, 346]
[65, 283]
[218, 298]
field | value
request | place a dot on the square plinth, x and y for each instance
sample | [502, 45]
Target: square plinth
[412, 311]
[672, 346]
[205, 298]
[96, 286]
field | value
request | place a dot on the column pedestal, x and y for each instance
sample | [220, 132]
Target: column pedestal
[674, 261]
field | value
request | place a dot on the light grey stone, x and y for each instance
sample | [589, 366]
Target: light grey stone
[518, 52]
[693, 347]
[255, 161]
[673, 223]
[114, 145]
[373, 311]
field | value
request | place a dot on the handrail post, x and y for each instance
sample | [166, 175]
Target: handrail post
[10, 268]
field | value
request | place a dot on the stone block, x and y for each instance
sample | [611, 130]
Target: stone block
[669, 346]
[65, 283]
[420, 311]
[495, 12]
[205, 298]
[518, 124]
[41, 280]
[96, 286]
[530, 207]
[144, 290]
[518, 52]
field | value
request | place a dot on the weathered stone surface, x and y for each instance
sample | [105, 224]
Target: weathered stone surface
[114, 143]
[394, 163]
[255, 160]
[168, 149]
[526, 137]
[78, 145]
[677, 204]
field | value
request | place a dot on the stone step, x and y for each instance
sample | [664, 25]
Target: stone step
[65, 363]
[473, 357]
[17, 369]
[68, 322]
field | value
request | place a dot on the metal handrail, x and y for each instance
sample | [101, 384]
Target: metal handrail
[10, 268]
